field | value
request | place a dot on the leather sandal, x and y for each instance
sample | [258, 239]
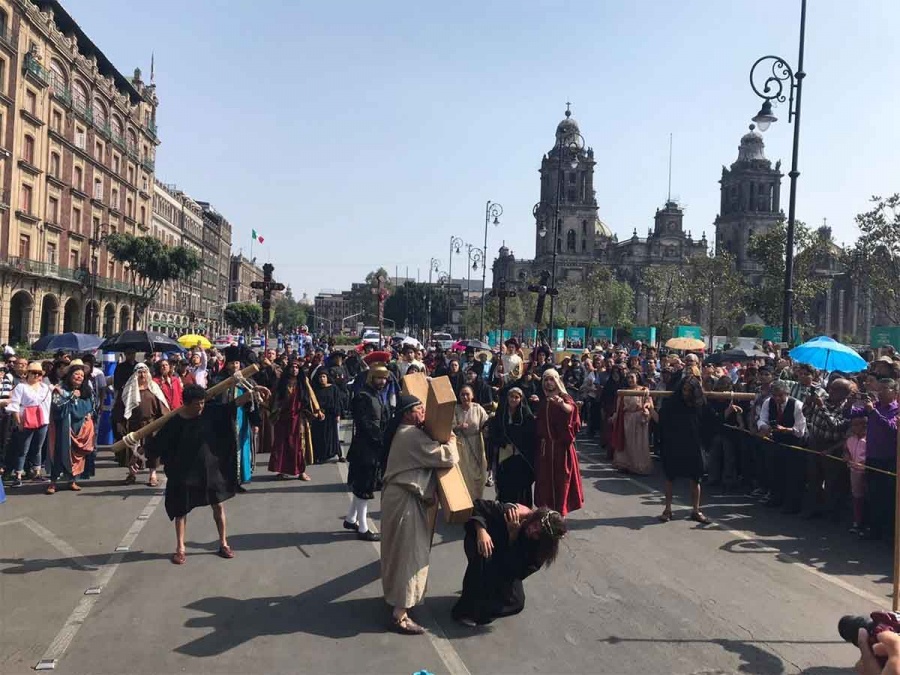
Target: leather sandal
[700, 517]
[74, 487]
[406, 626]
[178, 558]
[225, 552]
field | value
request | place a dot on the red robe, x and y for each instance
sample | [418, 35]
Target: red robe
[557, 482]
[291, 440]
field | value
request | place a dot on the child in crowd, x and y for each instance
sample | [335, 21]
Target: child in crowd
[855, 455]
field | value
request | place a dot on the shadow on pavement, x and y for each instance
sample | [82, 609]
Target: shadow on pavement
[820, 543]
[235, 622]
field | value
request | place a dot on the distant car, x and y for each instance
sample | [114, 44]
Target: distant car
[371, 336]
[443, 340]
[225, 341]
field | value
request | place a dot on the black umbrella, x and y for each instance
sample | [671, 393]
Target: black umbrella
[733, 355]
[474, 344]
[67, 342]
[141, 341]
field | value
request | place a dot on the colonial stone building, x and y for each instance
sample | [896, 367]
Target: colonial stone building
[77, 147]
[582, 240]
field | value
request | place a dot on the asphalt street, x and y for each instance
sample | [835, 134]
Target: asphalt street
[757, 592]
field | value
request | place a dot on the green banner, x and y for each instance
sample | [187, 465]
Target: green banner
[646, 334]
[885, 335]
[602, 333]
[575, 335]
[689, 332]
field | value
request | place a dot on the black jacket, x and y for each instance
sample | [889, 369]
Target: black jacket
[370, 419]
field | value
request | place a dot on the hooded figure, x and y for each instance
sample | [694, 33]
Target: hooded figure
[141, 401]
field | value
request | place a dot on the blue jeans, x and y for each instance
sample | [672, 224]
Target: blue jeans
[30, 442]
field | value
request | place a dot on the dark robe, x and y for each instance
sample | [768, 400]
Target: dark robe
[326, 443]
[200, 456]
[680, 427]
[514, 474]
[492, 587]
[268, 378]
[367, 455]
[557, 474]
[292, 437]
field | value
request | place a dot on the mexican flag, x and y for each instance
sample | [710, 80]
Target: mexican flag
[257, 237]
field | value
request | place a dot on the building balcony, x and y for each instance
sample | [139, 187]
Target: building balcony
[153, 130]
[104, 130]
[82, 110]
[148, 164]
[34, 71]
[119, 141]
[62, 94]
[42, 269]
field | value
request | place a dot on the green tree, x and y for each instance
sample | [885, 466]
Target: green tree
[715, 289]
[667, 292]
[768, 250]
[289, 313]
[150, 264]
[874, 261]
[243, 315]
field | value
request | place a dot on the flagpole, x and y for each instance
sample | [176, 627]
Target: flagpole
[251, 246]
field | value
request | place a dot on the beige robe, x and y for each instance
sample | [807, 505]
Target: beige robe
[406, 529]
[470, 441]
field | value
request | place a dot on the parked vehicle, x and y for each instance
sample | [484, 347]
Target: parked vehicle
[225, 341]
[443, 340]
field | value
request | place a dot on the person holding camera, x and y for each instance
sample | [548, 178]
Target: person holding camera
[881, 453]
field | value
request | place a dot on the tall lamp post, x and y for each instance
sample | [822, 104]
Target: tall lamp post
[568, 145]
[434, 265]
[475, 257]
[769, 77]
[95, 242]
[455, 244]
[492, 212]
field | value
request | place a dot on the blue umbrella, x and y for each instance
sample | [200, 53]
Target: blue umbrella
[68, 342]
[827, 354]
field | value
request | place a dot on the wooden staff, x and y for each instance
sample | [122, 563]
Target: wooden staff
[896, 598]
[713, 395]
[157, 424]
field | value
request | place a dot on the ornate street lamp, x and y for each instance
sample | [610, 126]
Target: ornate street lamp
[769, 77]
[455, 245]
[476, 257]
[492, 213]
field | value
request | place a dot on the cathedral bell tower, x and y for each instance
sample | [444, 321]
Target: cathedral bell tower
[574, 187]
[750, 200]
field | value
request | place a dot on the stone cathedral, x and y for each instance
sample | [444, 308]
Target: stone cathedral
[750, 203]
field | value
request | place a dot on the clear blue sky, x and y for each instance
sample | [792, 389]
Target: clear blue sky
[357, 134]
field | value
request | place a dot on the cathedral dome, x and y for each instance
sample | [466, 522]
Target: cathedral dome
[601, 229]
[568, 126]
[752, 146]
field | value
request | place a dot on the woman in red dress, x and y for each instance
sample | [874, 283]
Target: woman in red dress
[293, 405]
[557, 474]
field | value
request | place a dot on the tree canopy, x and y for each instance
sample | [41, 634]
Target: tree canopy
[243, 315]
[150, 263]
[874, 261]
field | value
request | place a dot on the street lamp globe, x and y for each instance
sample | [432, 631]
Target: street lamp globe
[764, 117]
[542, 232]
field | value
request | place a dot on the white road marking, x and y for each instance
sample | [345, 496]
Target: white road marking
[435, 633]
[102, 577]
[747, 536]
[81, 560]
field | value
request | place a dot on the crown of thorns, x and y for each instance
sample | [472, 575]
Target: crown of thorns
[547, 524]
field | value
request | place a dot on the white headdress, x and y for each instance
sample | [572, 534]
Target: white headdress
[131, 394]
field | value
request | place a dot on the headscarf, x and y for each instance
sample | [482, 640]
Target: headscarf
[554, 373]
[131, 394]
[695, 399]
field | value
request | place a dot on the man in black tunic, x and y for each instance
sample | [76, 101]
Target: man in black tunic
[198, 449]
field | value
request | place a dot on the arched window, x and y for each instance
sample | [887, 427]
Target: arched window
[559, 245]
[54, 164]
[117, 127]
[143, 215]
[132, 140]
[58, 77]
[584, 244]
[570, 241]
[79, 95]
[99, 112]
[584, 227]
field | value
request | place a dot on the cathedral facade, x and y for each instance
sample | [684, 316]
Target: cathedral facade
[750, 203]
